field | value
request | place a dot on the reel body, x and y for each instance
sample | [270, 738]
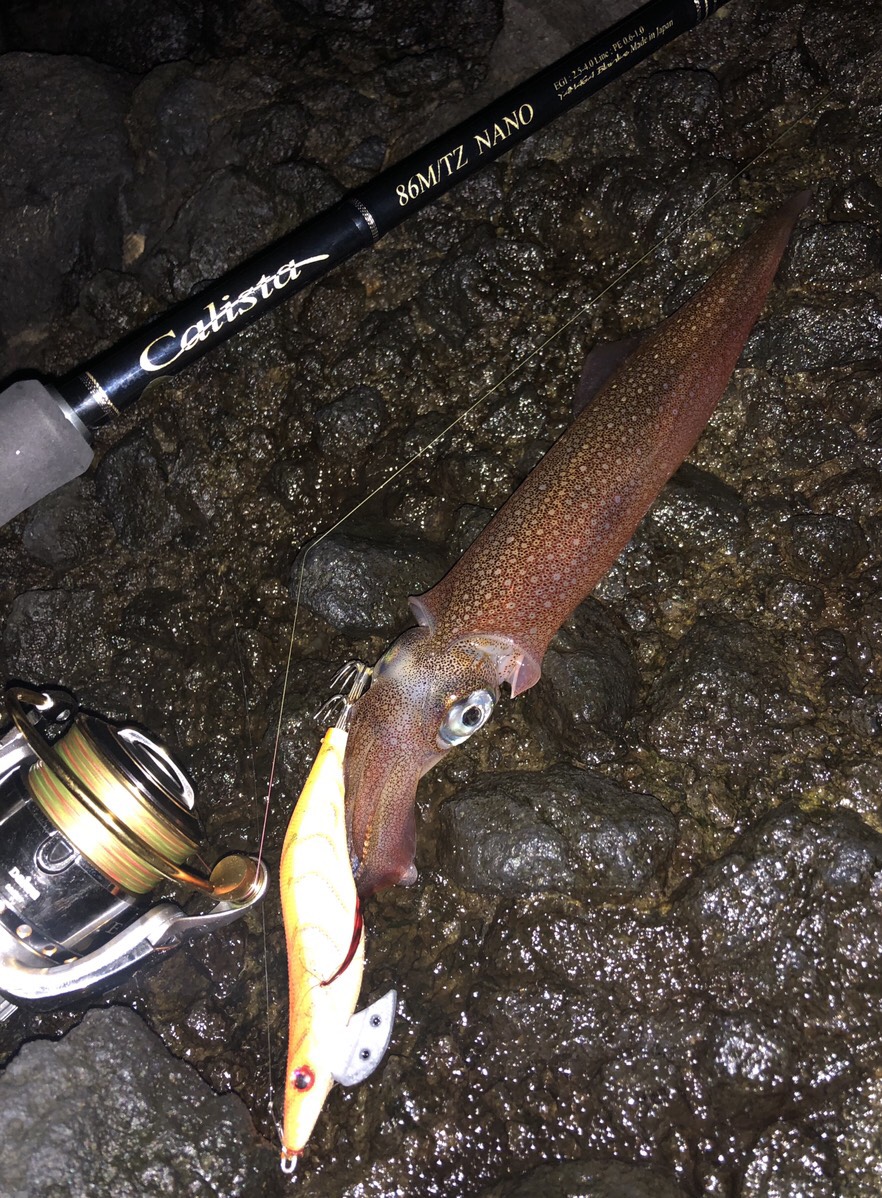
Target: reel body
[93, 817]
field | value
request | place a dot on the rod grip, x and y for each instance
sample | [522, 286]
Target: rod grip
[41, 448]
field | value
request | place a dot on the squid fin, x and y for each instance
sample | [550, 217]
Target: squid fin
[600, 364]
[527, 674]
[422, 611]
[515, 663]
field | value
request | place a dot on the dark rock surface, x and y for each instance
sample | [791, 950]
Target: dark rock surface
[589, 688]
[377, 577]
[603, 1179]
[61, 212]
[643, 953]
[723, 698]
[67, 527]
[132, 488]
[91, 1115]
[562, 829]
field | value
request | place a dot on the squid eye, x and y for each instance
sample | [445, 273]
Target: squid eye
[303, 1079]
[465, 717]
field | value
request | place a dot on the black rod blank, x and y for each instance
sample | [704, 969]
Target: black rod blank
[115, 379]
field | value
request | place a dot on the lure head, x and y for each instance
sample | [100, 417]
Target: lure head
[306, 1087]
[358, 1049]
[320, 1028]
[423, 700]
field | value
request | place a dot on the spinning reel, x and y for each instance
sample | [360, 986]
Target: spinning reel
[93, 818]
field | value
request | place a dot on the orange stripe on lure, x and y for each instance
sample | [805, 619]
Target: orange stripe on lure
[327, 1042]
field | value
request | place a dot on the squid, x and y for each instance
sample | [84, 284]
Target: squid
[488, 622]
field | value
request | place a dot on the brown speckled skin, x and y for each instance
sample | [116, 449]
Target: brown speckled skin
[489, 620]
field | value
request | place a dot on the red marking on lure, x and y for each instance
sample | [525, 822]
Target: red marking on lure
[353, 948]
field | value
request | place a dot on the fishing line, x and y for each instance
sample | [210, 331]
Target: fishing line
[463, 416]
[240, 661]
[809, 110]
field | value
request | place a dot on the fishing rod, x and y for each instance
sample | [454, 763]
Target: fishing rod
[46, 427]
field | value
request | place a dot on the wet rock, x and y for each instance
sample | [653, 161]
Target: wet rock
[415, 72]
[114, 300]
[835, 254]
[132, 488]
[44, 628]
[589, 686]
[226, 220]
[516, 419]
[819, 547]
[66, 527]
[540, 217]
[852, 495]
[860, 1146]
[794, 600]
[332, 309]
[671, 105]
[650, 1084]
[698, 512]
[784, 905]
[600, 1179]
[105, 1091]
[124, 35]
[565, 829]
[858, 199]
[783, 74]
[386, 347]
[749, 1060]
[155, 616]
[360, 585]
[810, 337]
[834, 662]
[350, 423]
[787, 1162]
[179, 122]
[368, 156]
[595, 687]
[724, 696]
[823, 35]
[483, 477]
[303, 189]
[870, 628]
[470, 522]
[275, 134]
[569, 1030]
[330, 141]
[458, 290]
[413, 24]
[66, 157]
[424, 514]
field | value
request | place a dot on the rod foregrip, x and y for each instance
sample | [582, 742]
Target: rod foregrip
[42, 445]
[111, 382]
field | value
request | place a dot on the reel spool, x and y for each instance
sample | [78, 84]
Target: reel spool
[93, 817]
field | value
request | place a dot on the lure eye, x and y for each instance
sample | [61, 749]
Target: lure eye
[465, 717]
[303, 1079]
